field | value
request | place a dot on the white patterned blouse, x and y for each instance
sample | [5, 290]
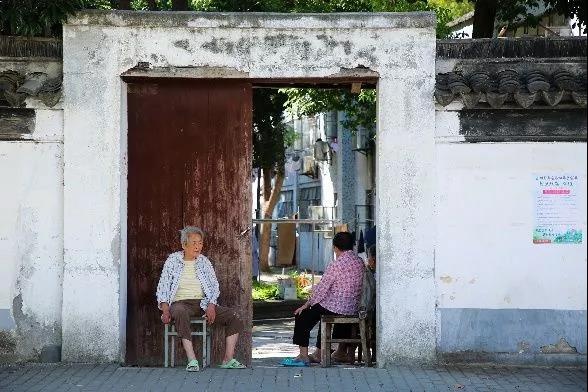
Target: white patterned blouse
[170, 279]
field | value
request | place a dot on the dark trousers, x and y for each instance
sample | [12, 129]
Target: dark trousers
[307, 319]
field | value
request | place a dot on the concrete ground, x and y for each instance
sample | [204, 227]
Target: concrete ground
[272, 342]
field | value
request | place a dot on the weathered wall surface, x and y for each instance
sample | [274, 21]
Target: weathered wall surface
[485, 253]
[501, 297]
[99, 47]
[498, 292]
[404, 210]
[31, 227]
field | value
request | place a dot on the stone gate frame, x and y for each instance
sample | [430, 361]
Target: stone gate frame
[99, 47]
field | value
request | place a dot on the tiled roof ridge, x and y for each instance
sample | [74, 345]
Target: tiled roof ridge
[512, 48]
[523, 88]
[30, 47]
[16, 87]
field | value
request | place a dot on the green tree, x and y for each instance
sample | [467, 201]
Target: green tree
[271, 137]
[487, 12]
[34, 17]
[360, 109]
[455, 8]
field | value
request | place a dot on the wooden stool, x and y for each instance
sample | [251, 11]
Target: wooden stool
[171, 333]
[327, 323]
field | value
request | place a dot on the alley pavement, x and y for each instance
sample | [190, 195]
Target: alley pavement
[271, 343]
[36, 377]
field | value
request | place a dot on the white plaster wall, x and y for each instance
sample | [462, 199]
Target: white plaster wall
[92, 327]
[484, 254]
[99, 47]
[31, 235]
[405, 174]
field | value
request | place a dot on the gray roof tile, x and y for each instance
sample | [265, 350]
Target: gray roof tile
[509, 85]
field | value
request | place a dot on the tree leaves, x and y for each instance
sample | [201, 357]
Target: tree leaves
[360, 108]
[39, 17]
[530, 12]
[271, 136]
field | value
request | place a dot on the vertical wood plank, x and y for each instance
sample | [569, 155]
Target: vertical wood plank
[189, 164]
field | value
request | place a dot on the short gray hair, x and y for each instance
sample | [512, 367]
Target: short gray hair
[372, 251]
[186, 231]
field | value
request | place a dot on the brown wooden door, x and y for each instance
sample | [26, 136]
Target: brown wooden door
[189, 164]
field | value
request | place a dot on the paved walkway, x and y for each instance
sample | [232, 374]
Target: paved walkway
[262, 378]
[272, 341]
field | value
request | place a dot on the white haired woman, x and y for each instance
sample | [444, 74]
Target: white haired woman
[188, 287]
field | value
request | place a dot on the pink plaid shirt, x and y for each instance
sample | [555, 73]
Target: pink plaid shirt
[340, 287]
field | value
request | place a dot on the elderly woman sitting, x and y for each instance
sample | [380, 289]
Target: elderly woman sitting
[188, 287]
[337, 293]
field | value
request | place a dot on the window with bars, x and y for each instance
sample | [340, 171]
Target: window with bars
[308, 197]
[286, 204]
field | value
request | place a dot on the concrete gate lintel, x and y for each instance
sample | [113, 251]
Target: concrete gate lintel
[145, 70]
[99, 47]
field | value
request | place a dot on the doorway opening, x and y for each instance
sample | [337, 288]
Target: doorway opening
[327, 185]
[190, 163]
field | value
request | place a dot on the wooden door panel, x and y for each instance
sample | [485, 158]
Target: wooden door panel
[218, 169]
[189, 164]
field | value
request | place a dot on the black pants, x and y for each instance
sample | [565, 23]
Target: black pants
[307, 319]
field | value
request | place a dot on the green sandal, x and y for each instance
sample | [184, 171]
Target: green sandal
[232, 364]
[193, 366]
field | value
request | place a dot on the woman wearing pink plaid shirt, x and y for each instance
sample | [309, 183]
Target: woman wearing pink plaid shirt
[337, 293]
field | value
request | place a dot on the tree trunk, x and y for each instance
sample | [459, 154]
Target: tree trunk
[484, 16]
[124, 4]
[267, 184]
[270, 199]
[179, 5]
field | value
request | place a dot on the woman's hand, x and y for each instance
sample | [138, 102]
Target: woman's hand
[300, 309]
[165, 313]
[210, 313]
[165, 316]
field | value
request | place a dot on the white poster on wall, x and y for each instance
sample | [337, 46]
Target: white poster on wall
[557, 209]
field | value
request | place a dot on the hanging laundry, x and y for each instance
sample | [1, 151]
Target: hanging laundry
[286, 244]
[360, 243]
[370, 237]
